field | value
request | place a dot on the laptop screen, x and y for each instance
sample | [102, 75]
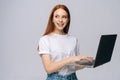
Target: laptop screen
[105, 49]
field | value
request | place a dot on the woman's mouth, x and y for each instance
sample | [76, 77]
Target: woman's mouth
[60, 24]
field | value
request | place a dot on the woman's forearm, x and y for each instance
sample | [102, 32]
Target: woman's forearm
[53, 66]
[57, 65]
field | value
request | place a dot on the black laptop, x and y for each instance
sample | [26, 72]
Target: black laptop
[104, 52]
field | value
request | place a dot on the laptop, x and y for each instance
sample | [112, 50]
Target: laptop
[104, 52]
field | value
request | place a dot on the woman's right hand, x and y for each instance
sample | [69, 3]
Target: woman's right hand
[79, 58]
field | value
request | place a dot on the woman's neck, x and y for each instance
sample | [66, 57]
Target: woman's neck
[59, 32]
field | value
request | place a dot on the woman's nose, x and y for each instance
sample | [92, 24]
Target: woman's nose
[60, 19]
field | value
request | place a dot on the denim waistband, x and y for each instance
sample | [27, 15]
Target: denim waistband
[56, 76]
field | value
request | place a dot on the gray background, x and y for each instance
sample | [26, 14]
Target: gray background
[22, 22]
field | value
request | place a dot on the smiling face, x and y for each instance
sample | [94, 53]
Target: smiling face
[60, 19]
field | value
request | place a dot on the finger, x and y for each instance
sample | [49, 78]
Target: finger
[90, 59]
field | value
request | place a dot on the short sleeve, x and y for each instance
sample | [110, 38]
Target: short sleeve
[77, 48]
[44, 47]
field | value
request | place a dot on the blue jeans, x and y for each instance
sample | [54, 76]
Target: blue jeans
[55, 76]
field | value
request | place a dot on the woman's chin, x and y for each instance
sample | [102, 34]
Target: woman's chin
[60, 27]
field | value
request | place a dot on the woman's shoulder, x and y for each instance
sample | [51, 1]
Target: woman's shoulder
[72, 36]
[44, 37]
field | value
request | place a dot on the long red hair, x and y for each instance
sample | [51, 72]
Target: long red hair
[50, 25]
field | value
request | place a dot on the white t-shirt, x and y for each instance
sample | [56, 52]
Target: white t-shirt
[59, 47]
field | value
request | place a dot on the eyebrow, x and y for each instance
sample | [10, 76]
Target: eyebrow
[62, 15]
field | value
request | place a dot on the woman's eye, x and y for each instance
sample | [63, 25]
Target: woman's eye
[65, 17]
[56, 16]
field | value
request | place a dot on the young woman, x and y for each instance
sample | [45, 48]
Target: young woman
[58, 49]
